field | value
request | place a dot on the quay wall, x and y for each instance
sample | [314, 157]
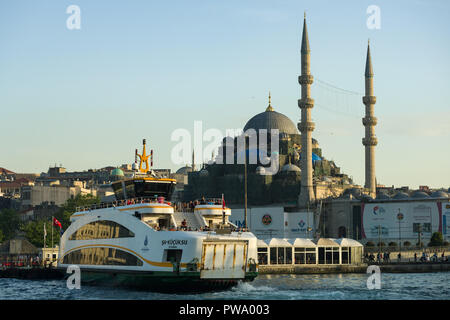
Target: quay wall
[330, 269]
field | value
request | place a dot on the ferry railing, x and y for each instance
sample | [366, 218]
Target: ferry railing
[121, 203]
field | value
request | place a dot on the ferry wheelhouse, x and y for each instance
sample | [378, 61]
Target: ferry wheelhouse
[142, 240]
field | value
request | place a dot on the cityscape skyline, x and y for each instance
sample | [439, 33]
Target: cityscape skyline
[86, 98]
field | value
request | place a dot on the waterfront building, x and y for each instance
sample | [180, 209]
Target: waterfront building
[309, 252]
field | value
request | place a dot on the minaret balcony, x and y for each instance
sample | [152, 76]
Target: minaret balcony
[305, 79]
[305, 103]
[369, 100]
[369, 121]
[306, 126]
[370, 141]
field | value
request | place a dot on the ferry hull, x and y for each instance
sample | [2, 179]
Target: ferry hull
[169, 282]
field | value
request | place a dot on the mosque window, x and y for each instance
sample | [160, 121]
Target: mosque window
[102, 256]
[102, 229]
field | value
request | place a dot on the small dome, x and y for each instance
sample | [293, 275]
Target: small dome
[204, 173]
[420, 194]
[400, 195]
[353, 191]
[290, 168]
[439, 194]
[184, 170]
[134, 166]
[383, 196]
[260, 170]
[117, 172]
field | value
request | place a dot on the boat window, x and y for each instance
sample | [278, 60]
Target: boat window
[102, 229]
[102, 256]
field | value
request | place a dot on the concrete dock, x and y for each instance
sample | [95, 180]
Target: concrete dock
[401, 267]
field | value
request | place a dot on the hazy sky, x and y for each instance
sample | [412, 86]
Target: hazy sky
[141, 69]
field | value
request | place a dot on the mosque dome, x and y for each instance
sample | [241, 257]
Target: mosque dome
[290, 168]
[420, 194]
[135, 166]
[117, 172]
[400, 195]
[271, 119]
[439, 194]
[184, 170]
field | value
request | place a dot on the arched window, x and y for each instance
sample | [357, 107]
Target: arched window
[102, 256]
[102, 229]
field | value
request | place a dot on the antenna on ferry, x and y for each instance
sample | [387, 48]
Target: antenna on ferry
[151, 158]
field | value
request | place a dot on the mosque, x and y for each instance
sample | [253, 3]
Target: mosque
[309, 196]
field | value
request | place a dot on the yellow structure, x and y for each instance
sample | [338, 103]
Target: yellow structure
[143, 159]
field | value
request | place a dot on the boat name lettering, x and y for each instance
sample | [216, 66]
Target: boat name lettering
[174, 242]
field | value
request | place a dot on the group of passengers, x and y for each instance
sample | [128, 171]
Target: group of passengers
[190, 205]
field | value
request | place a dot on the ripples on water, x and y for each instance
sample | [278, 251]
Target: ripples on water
[285, 287]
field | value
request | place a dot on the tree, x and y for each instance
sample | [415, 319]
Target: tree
[436, 240]
[71, 205]
[34, 232]
[9, 223]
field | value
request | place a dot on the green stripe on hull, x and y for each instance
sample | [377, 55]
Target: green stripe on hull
[159, 281]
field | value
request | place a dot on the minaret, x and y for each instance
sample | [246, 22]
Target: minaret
[193, 161]
[306, 126]
[369, 121]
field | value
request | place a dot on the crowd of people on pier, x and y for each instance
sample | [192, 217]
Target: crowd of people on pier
[386, 257]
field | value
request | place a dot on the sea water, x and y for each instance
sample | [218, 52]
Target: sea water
[394, 286]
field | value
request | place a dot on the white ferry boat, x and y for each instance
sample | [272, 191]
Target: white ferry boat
[141, 240]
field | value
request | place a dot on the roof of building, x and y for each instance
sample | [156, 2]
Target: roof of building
[5, 171]
[419, 194]
[301, 242]
[439, 194]
[345, 242]
[383, 196]
[327, 242]
[401, 195]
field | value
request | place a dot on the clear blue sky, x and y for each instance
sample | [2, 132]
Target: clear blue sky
[141, 69]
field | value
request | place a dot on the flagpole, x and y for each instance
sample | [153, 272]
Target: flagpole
[52, 232]
[45, 234]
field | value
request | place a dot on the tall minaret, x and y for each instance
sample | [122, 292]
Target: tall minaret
[306, 126]
[369, 121]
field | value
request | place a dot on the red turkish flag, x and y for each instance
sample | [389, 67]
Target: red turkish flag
[56, 223]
